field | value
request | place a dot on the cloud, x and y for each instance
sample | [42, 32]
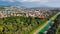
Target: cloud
[52, 3]
[9, 0]
[34, 1]
[27, 0]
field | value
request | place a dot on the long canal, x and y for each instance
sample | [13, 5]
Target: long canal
[46, 28]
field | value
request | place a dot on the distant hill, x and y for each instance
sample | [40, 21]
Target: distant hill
[2, 3]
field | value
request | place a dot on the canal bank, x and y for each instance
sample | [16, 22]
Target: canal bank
[37, 30]
[55, 29]
[58, 26]
[47, 27]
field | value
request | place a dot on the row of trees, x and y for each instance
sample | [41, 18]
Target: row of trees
[55, 29]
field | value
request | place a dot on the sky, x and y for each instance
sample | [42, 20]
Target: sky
[32, 3]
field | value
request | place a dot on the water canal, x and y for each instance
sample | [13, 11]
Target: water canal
[46, 28]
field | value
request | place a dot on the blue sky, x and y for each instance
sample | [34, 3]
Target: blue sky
[32, 3]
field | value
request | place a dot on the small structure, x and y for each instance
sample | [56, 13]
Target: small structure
[41, 16]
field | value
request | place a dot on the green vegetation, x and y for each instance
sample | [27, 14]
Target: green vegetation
[55, 29]
[58, 24]
[52, 18]
[19, 25]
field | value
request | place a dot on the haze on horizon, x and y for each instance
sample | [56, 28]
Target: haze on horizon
[32, 3]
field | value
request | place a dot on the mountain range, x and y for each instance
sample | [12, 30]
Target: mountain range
[26, 5]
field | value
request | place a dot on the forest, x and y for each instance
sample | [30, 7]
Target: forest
[20, 24]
